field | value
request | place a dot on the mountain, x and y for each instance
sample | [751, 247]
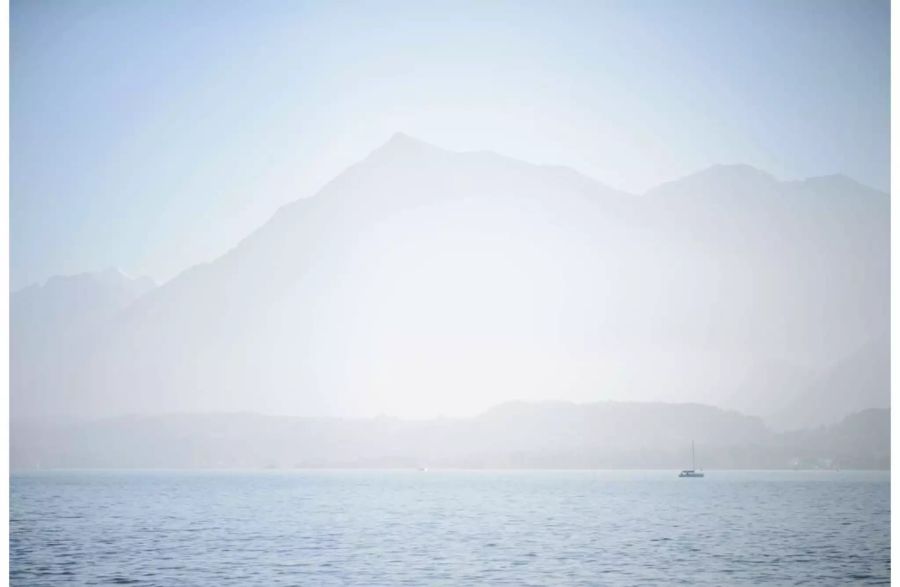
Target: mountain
[859, 441]
[78, 300]
[857, 382]
[51, 327]
[422, 281]
[515, 435]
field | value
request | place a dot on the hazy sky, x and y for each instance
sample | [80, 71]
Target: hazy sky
[152, 135]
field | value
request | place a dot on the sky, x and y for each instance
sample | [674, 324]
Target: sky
[155, 135]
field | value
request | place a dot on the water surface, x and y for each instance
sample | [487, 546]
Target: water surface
[449, 527]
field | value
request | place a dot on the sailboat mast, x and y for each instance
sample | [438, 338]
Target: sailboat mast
[693, 463]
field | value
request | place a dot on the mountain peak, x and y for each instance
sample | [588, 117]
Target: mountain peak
[836, 182]
[401, 140]
[733, 172]
[728, 178]
[400, 137]
[402, 148]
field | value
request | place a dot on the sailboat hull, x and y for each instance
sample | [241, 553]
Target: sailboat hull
[688, 473]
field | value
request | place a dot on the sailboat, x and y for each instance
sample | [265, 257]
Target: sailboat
[692, 472]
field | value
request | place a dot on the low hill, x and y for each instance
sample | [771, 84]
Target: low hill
[513, 435]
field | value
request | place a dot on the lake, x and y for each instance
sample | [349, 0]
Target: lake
[449, 527]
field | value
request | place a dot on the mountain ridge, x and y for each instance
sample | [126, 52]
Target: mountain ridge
[538, 254]
[408, 141]
[518, 435]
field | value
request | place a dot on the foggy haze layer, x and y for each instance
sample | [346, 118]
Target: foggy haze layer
[542, 435]
[423, 282]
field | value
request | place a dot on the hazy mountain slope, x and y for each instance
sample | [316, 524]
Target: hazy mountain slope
[76, 301]
[422, 281]
[415, 250]
[861, 440]
[861, 380]
[53, 326]
[813, 257]
[795, 273]
[544, 435]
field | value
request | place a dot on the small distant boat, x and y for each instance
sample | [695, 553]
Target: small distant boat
[692, 472]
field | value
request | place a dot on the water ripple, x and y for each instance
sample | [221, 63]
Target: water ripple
[448, 528]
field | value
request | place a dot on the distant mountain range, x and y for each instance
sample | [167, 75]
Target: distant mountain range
[515, 435]
[422, 281]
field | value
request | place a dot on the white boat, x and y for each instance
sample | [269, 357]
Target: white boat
[692, 472]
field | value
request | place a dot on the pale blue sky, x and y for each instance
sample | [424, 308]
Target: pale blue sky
[153, 135]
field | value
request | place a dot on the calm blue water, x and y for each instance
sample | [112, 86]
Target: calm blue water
[453, 528]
